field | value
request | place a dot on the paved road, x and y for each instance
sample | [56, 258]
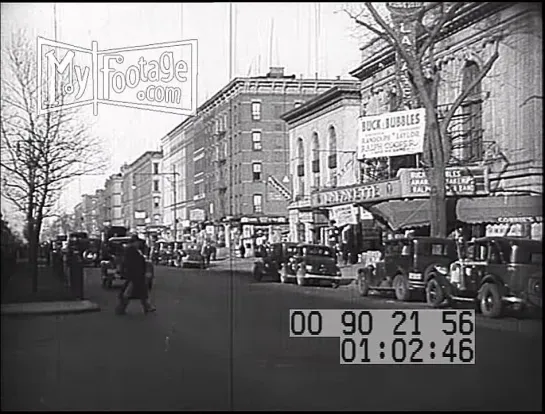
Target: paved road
[220, 341]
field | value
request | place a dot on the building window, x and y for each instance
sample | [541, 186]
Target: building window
[256, 111]
[256, 170]
[156, 201]
[316, 160]
[258, 203]
[256, 141]
[156, 168]
[155, 185]
[472, 126]
[332, 156]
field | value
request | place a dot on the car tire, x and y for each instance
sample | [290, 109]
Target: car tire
[362, 284]
[258, 273]
[490, 302]
[401, 288]
[435, 294]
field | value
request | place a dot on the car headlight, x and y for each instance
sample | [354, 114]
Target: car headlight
[455, 273]
[308, 268]
[442, 269]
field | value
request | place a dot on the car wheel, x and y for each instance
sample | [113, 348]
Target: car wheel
[258, 273]
[401, 288]
[435, 294]
[490, 301]
[362, 284]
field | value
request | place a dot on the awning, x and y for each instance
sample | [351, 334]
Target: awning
[403, 214]
[500, 209]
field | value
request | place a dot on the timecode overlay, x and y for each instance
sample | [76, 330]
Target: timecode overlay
[384, 336]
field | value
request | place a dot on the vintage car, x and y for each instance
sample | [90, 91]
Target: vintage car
[111, 265]
[192, 257]
[494, 273]
[270, 261]
[407, 265]
[312, 263]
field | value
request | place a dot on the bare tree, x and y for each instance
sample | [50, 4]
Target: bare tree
[39, 153]
[423, 71]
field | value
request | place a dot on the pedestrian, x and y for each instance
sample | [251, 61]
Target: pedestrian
[242, 250]
[206, 252]
[134, 270]
[213, 251]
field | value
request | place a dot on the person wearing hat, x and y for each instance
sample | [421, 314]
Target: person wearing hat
[134, 269]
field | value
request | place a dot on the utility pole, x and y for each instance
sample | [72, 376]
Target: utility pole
[174, 203]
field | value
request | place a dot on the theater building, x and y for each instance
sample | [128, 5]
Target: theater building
[494, 176]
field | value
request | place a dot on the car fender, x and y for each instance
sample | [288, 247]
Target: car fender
[491, 278]
[431, 272]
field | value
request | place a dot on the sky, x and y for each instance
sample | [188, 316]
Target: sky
[127, 132]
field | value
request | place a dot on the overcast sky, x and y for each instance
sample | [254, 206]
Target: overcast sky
[128, 132]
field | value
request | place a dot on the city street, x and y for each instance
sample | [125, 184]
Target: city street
[220, 341]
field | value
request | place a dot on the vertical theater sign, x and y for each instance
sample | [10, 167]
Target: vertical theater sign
[404, 18]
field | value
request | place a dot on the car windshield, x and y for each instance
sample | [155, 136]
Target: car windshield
[437, 249]
[317, 251]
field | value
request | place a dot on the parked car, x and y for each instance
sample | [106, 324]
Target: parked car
[111, 265]
[495, 273]
[312, 263]
[407, 266]
[192, 256]
[271, 260]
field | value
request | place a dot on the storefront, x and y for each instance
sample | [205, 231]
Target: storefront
[261, 230]
[516, 215]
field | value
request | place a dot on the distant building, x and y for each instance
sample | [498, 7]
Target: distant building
[87, 214]
[142, 195]
[177, 169]
[113, 193]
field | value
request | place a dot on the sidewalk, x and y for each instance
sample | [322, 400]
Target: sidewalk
[52, 297]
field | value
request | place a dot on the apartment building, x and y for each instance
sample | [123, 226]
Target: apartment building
[142, 190]
[113, 193]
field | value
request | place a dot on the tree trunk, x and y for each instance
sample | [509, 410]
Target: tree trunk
[438, 202]
[33, 256]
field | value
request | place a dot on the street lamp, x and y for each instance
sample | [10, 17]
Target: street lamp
[174, 174]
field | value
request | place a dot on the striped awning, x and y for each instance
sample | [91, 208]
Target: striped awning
[500, 209]
[403, 214]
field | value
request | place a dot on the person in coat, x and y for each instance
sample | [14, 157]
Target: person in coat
[134, 270]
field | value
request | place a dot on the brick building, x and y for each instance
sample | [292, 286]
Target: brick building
[113, 192]
[142, 190]
[240, 157]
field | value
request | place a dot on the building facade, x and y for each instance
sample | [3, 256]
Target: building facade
[177, 179]
[87, 214]
[113, 193]
[323, 138]
[496, 135]
[141, 196]
[241, 163]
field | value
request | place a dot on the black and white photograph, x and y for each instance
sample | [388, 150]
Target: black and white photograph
[287, 206]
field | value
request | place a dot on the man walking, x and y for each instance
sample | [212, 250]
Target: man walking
[134, 270]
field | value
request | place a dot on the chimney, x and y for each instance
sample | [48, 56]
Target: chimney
[276, 72]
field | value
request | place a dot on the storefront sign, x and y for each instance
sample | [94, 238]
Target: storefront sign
[343, 215]
[520, 219]
[306, 217]
[196, 214]
[381, 190]
[459, 181]
[392, 134]
[264, 220]
[139, 215]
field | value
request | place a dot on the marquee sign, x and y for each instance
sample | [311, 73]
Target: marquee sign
[466, 181]
[378, 191]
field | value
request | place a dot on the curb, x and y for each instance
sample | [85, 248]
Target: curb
[49, 308]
